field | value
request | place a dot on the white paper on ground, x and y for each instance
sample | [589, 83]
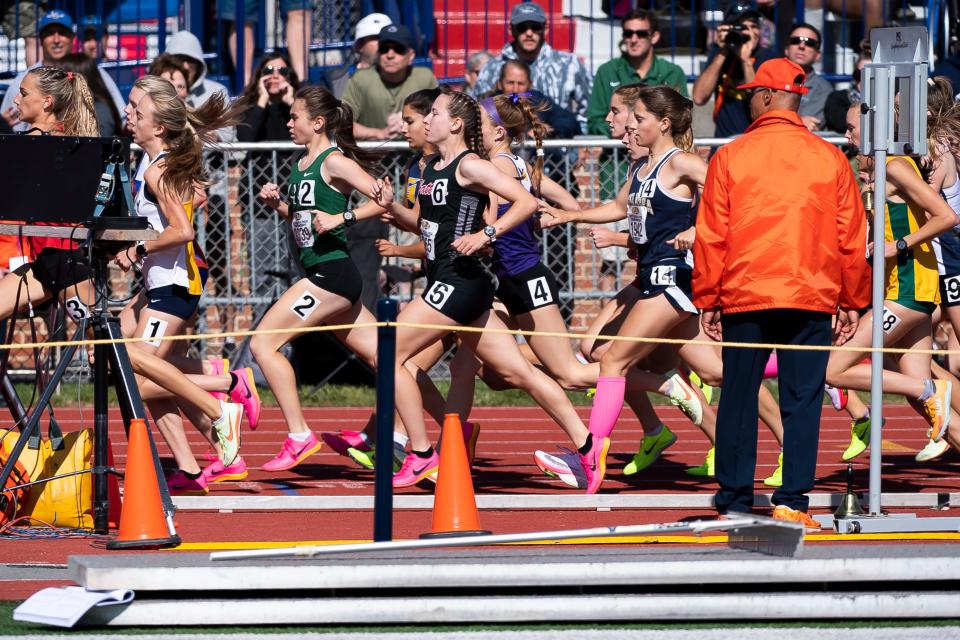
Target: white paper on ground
[64, 606]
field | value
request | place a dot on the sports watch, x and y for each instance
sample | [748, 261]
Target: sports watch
[349, 218]
[901, 245]
[491, 232]
[141, 250]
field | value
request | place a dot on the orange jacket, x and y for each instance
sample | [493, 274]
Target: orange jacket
[780, 225]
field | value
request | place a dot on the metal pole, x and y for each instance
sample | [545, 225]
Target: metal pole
[876, 359]
[383, 484]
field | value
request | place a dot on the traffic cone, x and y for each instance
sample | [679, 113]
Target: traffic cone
[454, 505]
[113, 492]
[142, 522]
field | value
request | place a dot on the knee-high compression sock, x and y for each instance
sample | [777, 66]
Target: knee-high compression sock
[607, 404]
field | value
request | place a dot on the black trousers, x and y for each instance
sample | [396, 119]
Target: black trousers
[801, 378]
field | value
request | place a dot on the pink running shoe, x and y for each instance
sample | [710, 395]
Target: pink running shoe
[219, 367]
[292, 453]
[838, 397]
[414, 469]
[343, 440]
[471, 432]
[180, 485]
[246, 394]
[216, 472]
[595, 463]
[565, 466]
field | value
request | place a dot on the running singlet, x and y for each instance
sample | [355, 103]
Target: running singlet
[947, 248]
[518, 249]
[447, 212]
[656, 216]
[173, 265]
[306, 191]
[414, 177]
[912, 275]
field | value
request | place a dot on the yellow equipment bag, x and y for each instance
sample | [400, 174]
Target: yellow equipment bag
[65, 502]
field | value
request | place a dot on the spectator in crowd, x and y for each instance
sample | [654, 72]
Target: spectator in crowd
[299, 31]
[515, 79]
[90, 36]
[185, 47]
[638, 63]
[108, 118]
[869, 11]
[733, 60]
[366, 38]
[838, 102]
[471, 70]
[376, 94]
[169, 67]
[19, 19]
[557, 74]
[765, 271]
[803, 47]
[56, 41]
[268, 98]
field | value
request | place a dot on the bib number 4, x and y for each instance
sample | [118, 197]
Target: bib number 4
[540, 292]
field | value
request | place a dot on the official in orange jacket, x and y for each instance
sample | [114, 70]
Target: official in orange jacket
[780, 249]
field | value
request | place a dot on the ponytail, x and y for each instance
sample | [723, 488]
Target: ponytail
[72, 100]
[338, 115]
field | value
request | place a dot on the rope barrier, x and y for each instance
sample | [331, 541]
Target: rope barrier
[463, 329]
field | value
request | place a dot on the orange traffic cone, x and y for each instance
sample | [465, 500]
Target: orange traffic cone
[113, 492]
[454, 505]
[142, 523]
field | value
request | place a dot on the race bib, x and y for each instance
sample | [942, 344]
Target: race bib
[637, 217]
[951, 287]
[305, 305]
[438, 294]
[663, 275]
[302, 224]
[890, 320]
[539, 291]
[428, 232]
[76, 309]
[305, 193]
[155, 329]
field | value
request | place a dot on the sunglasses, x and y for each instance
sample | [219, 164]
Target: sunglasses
[270, 69]
[523, 27]
[810, 42]
[396, 47]
[640, 33]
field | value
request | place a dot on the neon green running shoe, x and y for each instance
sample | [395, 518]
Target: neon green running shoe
[592, 391]
[707, 469]
[706, 389]
[650, 449]
[859, 439]
[368, 459]
[776, 480]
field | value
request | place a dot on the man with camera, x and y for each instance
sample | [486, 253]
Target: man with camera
[733, 61]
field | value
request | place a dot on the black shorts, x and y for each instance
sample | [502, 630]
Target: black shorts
[460, 288]
[672, 279]
[174, 300]
[339, 277]
[950, 290]
[528, 290]
[58, 269]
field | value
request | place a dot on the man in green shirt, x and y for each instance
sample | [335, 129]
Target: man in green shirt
[637, 64]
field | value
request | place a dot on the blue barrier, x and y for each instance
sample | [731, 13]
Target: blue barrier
[383, 483]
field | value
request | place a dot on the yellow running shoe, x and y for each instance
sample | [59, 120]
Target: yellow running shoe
[859, 439]
[650, 449]
[706, 389]
[776, 479]
[707, 469]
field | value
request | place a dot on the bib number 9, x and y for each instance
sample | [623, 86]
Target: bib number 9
[951, 287]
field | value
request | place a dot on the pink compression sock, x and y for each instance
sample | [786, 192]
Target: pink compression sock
[607, 404]
[771, 370]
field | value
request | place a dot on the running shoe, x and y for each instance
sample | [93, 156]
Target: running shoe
[414, 469]
[219, 367]
[292, 453]
[706, 389]
[859, 439]
[179, 484]
[227, 428]
[937, 408]
[838, 397]
[216, 472]
[776, 480]
[683, 397]
[564, 466]
[783, 512]
[650, 449]
[368, 459]
[705, 470]
[245, 394]
[343, 441]
[932, 450]
[594, 463]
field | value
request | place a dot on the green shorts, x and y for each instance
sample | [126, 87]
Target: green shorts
[917, 305]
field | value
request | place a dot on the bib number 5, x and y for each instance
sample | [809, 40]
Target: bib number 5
[438, 294]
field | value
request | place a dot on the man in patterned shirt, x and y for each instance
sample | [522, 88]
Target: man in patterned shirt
[557, 74]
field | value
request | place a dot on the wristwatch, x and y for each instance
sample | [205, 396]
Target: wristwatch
[141, 250]
[349, 218]
[491, 232]
[901, 245]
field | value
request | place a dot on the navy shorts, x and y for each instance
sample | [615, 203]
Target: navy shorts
[671, 279]
[528, 290]
[174, 300]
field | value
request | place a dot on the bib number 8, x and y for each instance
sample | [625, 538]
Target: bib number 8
[889, 320]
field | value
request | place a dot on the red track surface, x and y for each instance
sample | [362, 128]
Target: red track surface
[504, 465]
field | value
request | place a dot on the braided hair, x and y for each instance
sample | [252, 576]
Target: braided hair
[520, 116]
[72, 100]
[468, 110]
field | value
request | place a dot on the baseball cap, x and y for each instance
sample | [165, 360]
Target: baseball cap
[779, 74]
[396, 33]
[738, 11]
[371, 25]
[527, 12]
[56, 17]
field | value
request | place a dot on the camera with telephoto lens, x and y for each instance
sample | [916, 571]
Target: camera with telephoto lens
[736, 37]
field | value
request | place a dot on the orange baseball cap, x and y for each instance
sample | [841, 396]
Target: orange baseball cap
[779, 74]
